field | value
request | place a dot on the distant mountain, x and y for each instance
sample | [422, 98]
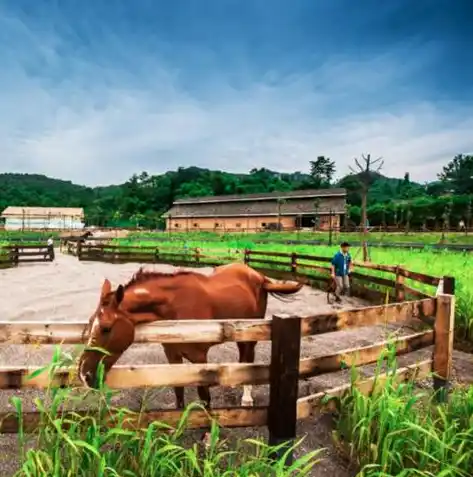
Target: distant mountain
[143, 198]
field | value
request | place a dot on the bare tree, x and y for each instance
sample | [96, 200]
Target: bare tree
[280, 203]
[365, 170]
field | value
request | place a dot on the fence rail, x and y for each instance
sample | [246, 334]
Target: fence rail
[285, 265]
[25, 253]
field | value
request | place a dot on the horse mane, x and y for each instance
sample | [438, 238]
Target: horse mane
[142, 276]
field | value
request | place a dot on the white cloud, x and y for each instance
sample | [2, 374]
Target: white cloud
[77, 119]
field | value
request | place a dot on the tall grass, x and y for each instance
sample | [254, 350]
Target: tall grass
[70, 443]
[426, 238]
[399, 431]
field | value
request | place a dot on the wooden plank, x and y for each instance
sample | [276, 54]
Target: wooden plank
[284, 384]
[400, 290]
[364, 355]
[443, 348]
[269, 254]
[219, 331]
[322, 401]
[375, 266]
[368, 316]
[415, 293]
[143, 376]
[35, 253]
[319, 268]
[314, 258]
[184, 331]
[33, 260]
[419, 277]
[269, 262]
[225, 417]
[384, 282]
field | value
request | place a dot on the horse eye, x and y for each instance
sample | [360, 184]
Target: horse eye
[106, 330]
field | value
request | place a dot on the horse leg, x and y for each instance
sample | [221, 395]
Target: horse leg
[247, 355]
[198, 355]
[175, 357]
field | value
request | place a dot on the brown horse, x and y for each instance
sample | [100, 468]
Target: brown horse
[233, 291]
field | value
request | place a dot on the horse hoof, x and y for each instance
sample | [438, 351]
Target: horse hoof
[247, 402]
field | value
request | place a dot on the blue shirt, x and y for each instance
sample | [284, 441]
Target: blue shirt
[341, 263]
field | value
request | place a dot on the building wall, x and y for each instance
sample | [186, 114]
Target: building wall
[57, 223]
[241, 223]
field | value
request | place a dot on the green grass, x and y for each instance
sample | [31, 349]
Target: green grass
[28, 235]
[399, 431]
[78, 445]
[426, 238]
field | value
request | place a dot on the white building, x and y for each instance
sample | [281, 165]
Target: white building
[35, 218]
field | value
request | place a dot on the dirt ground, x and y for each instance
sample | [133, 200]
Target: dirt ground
[69, 290]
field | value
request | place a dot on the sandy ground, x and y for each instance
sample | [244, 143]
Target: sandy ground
[69, 290]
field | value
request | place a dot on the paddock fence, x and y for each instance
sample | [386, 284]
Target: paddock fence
[282, 374]
[12, 255]
[433, 313]
[377, 283]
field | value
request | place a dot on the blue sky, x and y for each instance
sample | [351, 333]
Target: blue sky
[95, 90]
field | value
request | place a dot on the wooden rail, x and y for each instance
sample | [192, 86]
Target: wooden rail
[25, 253]
[366, 281]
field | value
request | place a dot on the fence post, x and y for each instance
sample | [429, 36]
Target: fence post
[197, 255]
[79, 249]
[156, 255]
[400, 295]
[443, 346]
[449, 285]
[294, 262]
[284, 383]
[246, 256]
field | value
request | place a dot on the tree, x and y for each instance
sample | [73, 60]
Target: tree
[322, 171]
[458, 174]
[366, 174]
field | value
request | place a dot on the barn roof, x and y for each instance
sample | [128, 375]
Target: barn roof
[293, 194]
[291, 206]
[13, 211]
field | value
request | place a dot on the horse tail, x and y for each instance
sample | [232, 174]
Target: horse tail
[281, 290]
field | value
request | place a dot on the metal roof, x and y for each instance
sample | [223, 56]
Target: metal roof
[13, 211]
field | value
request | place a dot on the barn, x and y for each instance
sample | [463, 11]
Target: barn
[322, 208]
[40, 218]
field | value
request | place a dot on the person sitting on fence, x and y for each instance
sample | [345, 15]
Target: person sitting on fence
[341, 268]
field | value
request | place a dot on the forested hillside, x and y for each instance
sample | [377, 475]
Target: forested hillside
[143, 198]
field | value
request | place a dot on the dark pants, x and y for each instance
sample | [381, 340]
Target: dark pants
[51, 252]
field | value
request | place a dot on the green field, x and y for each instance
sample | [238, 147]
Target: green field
[426, 238]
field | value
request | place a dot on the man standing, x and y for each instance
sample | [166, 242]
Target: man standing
[50, 245]
[341, 268]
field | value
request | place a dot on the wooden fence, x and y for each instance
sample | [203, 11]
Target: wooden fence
[374, 282]
[24, 253]
[435, 314]
[282, 374]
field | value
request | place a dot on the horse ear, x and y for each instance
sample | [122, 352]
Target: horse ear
[106, 287]
[119, 294]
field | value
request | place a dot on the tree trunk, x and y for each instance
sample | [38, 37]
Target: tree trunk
[364, 220]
